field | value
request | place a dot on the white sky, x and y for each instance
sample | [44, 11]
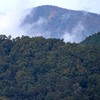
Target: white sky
[87, 5]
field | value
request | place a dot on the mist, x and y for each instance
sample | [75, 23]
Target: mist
[38, 29]
[12, 16]
[11, 19]
[10, 23]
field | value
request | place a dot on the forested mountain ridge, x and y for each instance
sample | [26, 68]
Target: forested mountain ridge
[92, 40]
[55, 22]
[48, 69]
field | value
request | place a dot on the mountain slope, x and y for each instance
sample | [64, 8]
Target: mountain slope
[92, 40]
[55, 22]
[48, 69]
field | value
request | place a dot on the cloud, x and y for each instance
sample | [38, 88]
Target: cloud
[76, 34]
[13, 14]
[69, 37]
[36, 28]
[11, 20]
[10, 23]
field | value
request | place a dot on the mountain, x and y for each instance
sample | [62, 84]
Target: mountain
[56, 22]
[35, 68]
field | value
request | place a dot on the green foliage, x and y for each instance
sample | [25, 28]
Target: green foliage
[48, 69]
[92, 40]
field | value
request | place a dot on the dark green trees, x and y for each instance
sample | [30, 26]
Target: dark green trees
[48, 69]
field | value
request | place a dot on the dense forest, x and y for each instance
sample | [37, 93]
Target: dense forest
[35, 68]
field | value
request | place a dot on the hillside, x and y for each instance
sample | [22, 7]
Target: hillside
[92, 40]
[35, 68]
[56, 22]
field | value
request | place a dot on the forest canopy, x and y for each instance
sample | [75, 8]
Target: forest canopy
[35, 68]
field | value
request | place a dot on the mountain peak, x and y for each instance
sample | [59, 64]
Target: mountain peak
[55, 22]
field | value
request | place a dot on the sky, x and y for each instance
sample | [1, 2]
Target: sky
[11, 10]
[87, 5]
